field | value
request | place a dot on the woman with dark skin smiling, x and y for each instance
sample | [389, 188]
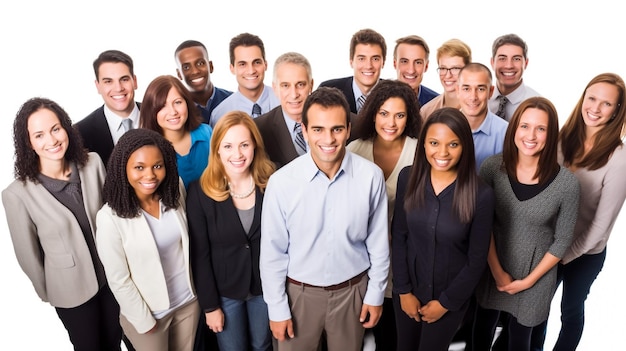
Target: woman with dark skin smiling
[440, 234]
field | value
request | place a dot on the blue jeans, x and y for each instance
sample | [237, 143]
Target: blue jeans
[246, 325]
[577, 278]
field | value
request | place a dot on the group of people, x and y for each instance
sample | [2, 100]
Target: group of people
[292, 218]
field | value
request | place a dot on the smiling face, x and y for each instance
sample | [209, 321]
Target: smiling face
[367, 63]
[292, 86]
[173, 116]
[117, 87]
[145, 171]
[236, 150]
[411, 62]
[46, 135]
[599, 104]
[390, 119]
[249, 68]
[532, 132]
[194, 68]
[449, 68]
[474, 90]
[442, 148]
[326, 133]
[509, 64]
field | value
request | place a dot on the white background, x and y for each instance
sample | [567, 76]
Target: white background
[48, 48]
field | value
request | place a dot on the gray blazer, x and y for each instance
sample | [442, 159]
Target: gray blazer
[48, 242]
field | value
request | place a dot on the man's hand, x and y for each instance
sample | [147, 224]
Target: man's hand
[282, 330]
[374, 313]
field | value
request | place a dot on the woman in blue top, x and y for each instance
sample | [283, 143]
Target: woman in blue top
[168, 109]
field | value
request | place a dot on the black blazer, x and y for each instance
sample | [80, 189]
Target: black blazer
[276, 137]
[224, 259]
[345, 85]
[96, 135]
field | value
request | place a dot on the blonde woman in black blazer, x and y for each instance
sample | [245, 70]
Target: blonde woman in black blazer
[224, 211]
[51, 212]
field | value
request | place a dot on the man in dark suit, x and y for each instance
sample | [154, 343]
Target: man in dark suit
[410, 59]
[116, 82]
[194, 68]
[281, 127]
[368, 51]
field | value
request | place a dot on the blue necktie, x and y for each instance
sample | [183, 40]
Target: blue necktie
[256, 110]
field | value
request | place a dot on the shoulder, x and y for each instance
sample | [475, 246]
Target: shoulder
[95, 116]
[222, 92]
[358, 146]
[270, 116]
[428, 91]
[337, 82]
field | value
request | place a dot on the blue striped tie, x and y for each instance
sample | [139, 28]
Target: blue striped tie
[301, 145]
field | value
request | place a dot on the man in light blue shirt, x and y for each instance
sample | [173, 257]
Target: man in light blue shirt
[488, 130]
[324, 241]
[248, 64]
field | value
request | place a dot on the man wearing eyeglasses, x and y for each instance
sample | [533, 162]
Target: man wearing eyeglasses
[410, 59]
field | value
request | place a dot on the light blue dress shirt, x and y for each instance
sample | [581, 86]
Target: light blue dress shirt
[323, 231]
[489, 137]
[238, 102]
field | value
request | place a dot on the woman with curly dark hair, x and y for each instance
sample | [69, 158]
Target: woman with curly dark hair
[390, 124]
[143, 242]
[51, 212]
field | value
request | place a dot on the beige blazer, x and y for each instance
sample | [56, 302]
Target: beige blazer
[49, 245]
[133, 266]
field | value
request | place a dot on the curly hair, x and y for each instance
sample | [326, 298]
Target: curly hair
[117, 191]
[383, 91]
[26, 165]
[213, 181]
[155, 98]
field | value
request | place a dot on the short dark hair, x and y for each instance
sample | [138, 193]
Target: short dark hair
[189, 44]
[368, 36]
[245, 39]
[26, 166]
[411, 40]
[325, 97]
[154, 100]
[383, 91]
[511, 39]
[112, 56]
[118, 193]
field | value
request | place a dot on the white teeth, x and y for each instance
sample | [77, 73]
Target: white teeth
[410, 77]
[197, 80]
[118, 97]
[442, 163]
[508, 74]
[328, 148]
[530, 145]
[150, 185]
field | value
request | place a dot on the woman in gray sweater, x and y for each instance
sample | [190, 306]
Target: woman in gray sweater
[536, 209]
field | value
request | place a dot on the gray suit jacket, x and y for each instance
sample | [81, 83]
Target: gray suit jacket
[48, 242]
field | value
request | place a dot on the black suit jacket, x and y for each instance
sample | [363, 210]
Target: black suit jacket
[224, 259]
[345, 85]
[276, 137]
[96, 135]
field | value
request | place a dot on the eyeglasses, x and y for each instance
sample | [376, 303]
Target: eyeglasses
[443, 70]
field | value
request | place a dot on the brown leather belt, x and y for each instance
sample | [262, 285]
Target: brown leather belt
[347, 283]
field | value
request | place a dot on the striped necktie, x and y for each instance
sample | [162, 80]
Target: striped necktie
[299, 140]
[359, 102]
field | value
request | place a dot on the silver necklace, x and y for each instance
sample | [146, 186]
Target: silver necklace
[244, 195]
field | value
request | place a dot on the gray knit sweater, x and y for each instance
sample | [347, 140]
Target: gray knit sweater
[524, 231]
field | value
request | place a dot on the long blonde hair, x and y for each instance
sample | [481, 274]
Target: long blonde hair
[213, 181]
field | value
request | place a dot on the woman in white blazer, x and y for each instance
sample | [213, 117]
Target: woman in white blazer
[143, 242]
[51, 211]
